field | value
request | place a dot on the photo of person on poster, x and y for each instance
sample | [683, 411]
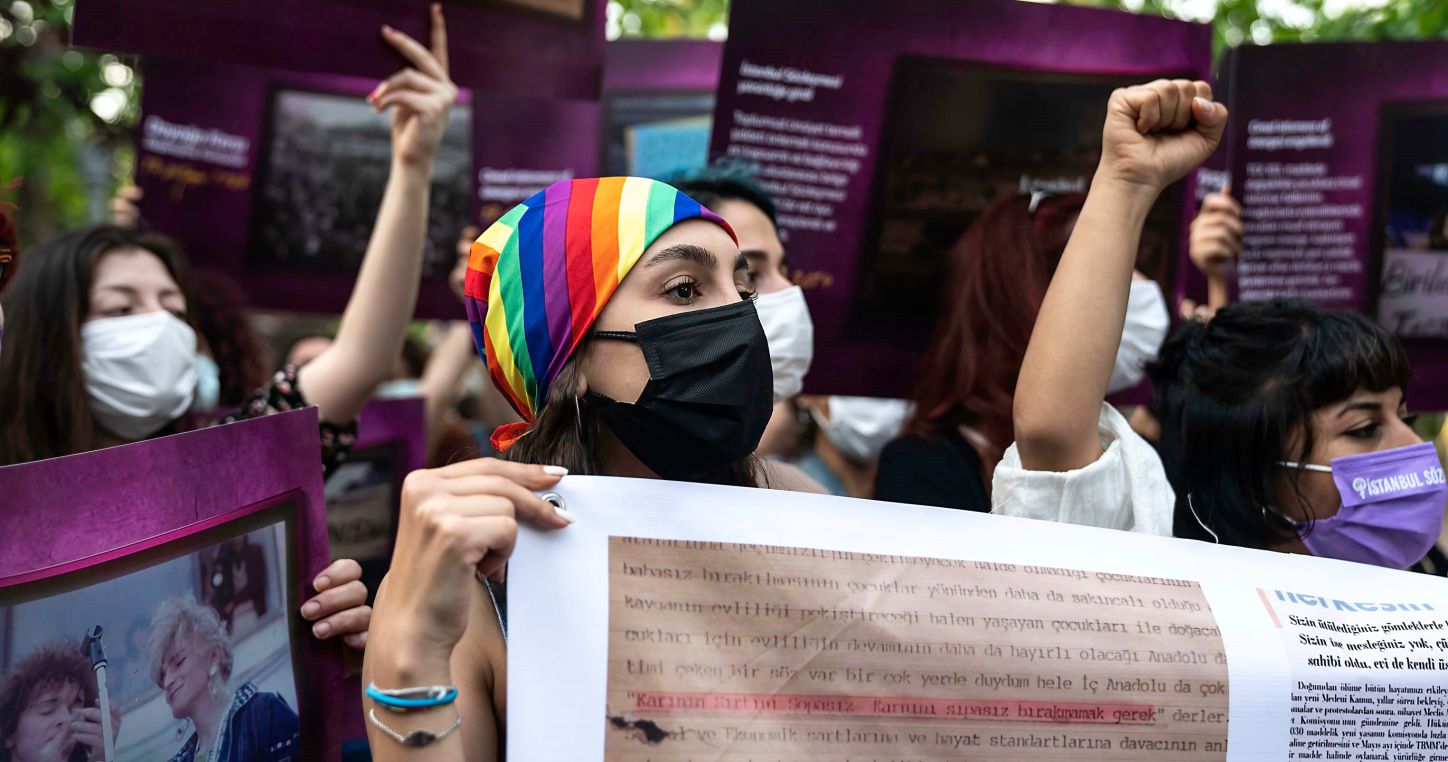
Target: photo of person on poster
[193, 664]
[189, 654]
[49, 710]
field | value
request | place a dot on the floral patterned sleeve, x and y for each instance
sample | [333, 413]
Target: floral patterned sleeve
[282, 395]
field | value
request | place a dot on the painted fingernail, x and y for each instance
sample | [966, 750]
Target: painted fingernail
[372, 96]
[322, 630]
[555, 470]
[310, 609]
[322, 583]
[563, 513]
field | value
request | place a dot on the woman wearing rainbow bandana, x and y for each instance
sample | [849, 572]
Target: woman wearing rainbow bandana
[611, 313]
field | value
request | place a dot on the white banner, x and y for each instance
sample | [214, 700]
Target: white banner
[678, 622]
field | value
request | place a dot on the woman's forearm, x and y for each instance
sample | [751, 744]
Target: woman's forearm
[442, 380]
[1068, 362]
[370, 336]
[399, 667]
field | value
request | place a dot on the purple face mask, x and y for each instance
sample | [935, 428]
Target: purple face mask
[1392, 507]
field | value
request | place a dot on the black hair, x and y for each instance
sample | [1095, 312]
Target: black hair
[1236, 395]
[1436, 240]
[725, 181]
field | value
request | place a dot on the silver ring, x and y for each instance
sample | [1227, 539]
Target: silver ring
[554, 499]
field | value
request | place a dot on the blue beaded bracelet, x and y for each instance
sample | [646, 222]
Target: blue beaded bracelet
[406, 699]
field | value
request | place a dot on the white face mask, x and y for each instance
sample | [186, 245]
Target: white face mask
[208, 385]
[862, 426]
[791, 338]
[1147, 322]
[398, 388]
[140, 371]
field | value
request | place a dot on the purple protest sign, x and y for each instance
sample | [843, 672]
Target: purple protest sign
[523, 145]
[537, 48]
[121, 556]
[277, 185]
[1337, 155]
[883, 128]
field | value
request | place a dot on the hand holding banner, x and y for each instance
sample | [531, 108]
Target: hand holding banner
[741, 624]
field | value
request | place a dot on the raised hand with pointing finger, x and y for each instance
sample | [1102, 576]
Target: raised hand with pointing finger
[419, 96]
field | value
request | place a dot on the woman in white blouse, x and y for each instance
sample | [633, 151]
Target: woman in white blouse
[1254, 405]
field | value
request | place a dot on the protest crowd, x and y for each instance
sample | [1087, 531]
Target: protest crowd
[660, 328]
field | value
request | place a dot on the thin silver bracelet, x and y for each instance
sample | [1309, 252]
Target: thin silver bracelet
[417, 738]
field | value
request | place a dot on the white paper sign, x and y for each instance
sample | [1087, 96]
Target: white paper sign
[679, 622]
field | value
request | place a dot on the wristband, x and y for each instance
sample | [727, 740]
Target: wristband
[417, 738]
[408, 699]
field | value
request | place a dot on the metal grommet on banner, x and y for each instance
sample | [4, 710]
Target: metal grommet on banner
[554, 499]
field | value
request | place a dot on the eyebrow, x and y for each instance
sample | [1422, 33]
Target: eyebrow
[685, 252]
[1356, 405]
[132, 290]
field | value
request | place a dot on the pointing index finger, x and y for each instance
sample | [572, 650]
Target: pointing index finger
[439, 38]
[415, 53]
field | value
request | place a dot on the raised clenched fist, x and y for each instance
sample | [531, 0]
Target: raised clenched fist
[1156, 133]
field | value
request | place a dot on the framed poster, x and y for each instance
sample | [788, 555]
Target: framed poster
[151, 589]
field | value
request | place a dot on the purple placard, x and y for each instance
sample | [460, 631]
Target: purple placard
[219, 175]
[805, 90]
[401, 421]
[495, 46]
[1326, 201]
[146, 497]
[523, 145]
[661, 65]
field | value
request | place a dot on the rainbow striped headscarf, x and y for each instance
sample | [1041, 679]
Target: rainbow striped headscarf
[540, 276]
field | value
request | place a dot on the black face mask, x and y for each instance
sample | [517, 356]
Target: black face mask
[709, 396]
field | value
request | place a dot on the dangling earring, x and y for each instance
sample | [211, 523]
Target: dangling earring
[1202, 524]
[578, 417]
[211, 683]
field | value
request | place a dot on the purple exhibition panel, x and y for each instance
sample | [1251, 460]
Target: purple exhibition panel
[221, 528]
[635, 64]
[884, 128]
[277, 184]
[1339, 155]
[523, 145]
[537, 48]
